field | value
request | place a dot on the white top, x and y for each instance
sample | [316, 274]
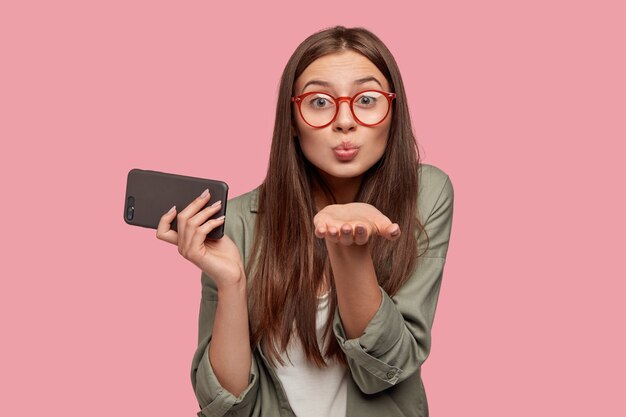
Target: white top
[311, 391]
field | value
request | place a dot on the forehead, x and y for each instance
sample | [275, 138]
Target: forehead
[340, 69]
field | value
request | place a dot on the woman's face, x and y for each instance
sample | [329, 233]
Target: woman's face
[344, 148]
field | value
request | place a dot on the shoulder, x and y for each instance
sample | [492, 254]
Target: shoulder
[432, 177]
[240, 221]
[244, 203]
[435, 188]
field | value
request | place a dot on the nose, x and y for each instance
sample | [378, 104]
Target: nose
[344, 122]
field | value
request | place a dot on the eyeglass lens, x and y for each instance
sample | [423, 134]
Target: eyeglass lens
[370, 107]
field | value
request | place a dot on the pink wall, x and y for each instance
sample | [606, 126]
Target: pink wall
[521, 104]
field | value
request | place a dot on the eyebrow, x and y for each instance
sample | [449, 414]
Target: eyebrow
[327, 84]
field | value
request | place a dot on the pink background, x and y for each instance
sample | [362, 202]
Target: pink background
[521, 103]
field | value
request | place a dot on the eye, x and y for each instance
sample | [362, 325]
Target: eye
[319, 101]
[366, 100]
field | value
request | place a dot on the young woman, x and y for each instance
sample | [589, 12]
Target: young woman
[319, 299]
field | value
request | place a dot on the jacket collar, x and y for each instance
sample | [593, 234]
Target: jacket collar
[254, 201]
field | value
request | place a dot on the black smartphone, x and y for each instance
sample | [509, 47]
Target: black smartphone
[150, 194]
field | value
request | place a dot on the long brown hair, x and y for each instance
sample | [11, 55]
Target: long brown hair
[290, 261]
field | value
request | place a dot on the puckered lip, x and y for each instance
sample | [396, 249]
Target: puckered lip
[345, 146]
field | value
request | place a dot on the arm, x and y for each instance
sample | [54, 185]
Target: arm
[220, 344]
[224, 372]
[396, 341]
[356, 304]
[230, 353]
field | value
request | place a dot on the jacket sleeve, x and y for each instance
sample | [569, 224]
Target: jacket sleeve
[397, 339]
[213, 399]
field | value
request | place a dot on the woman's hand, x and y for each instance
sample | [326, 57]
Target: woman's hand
[220, 259]
[353, 223]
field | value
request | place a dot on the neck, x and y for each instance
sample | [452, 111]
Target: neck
[344, 190]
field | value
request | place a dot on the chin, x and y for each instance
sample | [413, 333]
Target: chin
[344, 171]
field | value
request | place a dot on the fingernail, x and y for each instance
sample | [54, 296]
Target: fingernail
[172, 210]
[395, 232]
[217, 203]
[346, 231]
[204, 193]
[360, 230]
[220, 218]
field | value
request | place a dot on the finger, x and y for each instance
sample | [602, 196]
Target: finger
[346, 237]
[361, 234]
[198, 220]
[191, 209]
[199, 237]
[333, 234]
[321, 231]
[391, 232]
[319, 222]
[164, 228]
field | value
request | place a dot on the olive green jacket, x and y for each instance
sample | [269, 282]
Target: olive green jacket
[384, 362]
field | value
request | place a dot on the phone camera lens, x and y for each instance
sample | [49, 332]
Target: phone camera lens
[130, 209]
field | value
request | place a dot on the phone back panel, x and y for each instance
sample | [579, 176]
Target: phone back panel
[150, 194]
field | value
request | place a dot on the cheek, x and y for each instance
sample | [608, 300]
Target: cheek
[376, 151]
[380, 149]
[311, 148]
[379, 143]
[311, 141]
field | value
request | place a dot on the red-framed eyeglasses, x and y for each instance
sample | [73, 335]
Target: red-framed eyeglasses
[369, 107]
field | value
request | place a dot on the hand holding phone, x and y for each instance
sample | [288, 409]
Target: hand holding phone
[196, 226]
[220, 259]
